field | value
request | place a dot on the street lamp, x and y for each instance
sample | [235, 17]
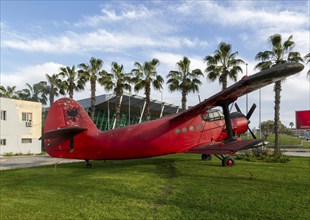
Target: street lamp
[246, 96]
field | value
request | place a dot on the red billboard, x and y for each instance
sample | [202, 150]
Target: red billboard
[303, 119]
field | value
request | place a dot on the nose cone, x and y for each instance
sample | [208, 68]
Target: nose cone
[239, 123]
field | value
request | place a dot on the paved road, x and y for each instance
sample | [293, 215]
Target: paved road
[298, 154]
[8, 163]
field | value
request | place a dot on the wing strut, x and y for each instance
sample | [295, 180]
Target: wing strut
[224, 105]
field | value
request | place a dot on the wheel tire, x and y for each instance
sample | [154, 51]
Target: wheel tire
[206, 156]
[228, 161]
[209, 157]
[203, 156]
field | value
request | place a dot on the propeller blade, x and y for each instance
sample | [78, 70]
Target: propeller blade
[248, 116]
[253, 135]
[237, 107]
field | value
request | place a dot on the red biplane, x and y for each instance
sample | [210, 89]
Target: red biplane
[70, 133]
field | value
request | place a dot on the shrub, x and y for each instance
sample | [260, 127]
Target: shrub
[263, 155]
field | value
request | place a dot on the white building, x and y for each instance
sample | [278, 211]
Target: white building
[21, 126]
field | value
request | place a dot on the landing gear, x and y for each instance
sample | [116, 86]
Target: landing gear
[226, 160]
[88, 165]
[206, 156]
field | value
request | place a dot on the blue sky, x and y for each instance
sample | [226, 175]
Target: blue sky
[37, 37]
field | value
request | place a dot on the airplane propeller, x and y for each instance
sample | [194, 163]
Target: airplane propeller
[248, 116]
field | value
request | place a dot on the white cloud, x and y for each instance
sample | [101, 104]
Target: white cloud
[99, 40]
[246, 14]
[122, 13]
[29, 74]
[256, 17]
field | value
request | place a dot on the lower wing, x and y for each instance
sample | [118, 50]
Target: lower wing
[225, 148]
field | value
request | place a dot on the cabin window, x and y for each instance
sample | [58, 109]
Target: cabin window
[213, 115]
[3, 115]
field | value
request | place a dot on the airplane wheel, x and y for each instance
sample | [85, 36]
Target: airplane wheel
[88, 165]
[206, 156]
[228, 161]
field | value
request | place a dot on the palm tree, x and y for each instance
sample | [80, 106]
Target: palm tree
[35, 93]
[291, 124]
[119, 81]
[9, 92]
[89, 72]
[184, 80]
[223, 64]
[71, 80]
[307, 60]
[280, 53]
[145, 76]
[54, 87]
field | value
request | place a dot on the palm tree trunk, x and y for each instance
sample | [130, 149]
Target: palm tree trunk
[92, 98]
[118, 109]
[147, 101]
[277, 90]
[71, 93]
[51, 98]
[224, 83]
[184, 93]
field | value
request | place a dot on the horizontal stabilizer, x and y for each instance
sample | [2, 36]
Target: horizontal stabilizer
[225, 148]
[62, 132]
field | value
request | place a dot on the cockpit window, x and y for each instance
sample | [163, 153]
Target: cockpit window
[213, 115]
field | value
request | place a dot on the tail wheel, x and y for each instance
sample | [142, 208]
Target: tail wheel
[206, 157]
[228, 161]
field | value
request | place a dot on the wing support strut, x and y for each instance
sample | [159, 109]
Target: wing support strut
[225, 104]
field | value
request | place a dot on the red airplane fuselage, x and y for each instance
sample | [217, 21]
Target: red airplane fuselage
[153, 138]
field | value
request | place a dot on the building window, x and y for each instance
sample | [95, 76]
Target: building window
[26, 140]
[3, 115]
[26, 116]
[2, 142]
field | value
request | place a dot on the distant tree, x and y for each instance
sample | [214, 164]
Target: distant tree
[146, 76]
[54, 87]
[9, 92]
[223, 64]
[184, 79]
[35, 93]
[71, 80]
[291, 125]
[90, 72]
[119, 82]
[307, 60]
[281, 52]
[267, 127]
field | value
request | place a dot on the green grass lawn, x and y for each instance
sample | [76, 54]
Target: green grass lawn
[169, 187]
[285, 140]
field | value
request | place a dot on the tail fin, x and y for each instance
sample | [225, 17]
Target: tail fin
[67, 114]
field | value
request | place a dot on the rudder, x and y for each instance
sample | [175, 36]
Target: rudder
[66, 113]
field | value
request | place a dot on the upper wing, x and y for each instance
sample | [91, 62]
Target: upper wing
[242, 87]
[225, 148]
